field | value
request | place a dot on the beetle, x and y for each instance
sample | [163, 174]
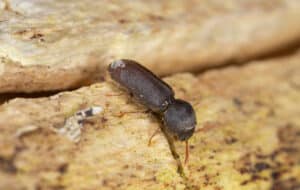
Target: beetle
[177, 115]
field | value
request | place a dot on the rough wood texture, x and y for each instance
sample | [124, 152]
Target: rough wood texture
[53, 44]
[247, 135]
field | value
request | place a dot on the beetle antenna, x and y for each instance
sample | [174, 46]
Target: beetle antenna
[186, 152]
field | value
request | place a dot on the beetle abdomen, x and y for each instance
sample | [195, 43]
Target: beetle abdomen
[144, 85]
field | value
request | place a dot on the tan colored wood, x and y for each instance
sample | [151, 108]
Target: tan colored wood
[247, 136]
[54, 45]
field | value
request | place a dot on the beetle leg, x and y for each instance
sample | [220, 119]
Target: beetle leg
[150, 139]
[120, 94]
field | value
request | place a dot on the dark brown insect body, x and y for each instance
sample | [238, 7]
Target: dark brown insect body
[178, 115]
[144, 85]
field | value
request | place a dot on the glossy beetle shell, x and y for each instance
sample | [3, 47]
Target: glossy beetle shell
[143, 84]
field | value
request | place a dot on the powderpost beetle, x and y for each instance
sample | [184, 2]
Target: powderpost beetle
[178, 115]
